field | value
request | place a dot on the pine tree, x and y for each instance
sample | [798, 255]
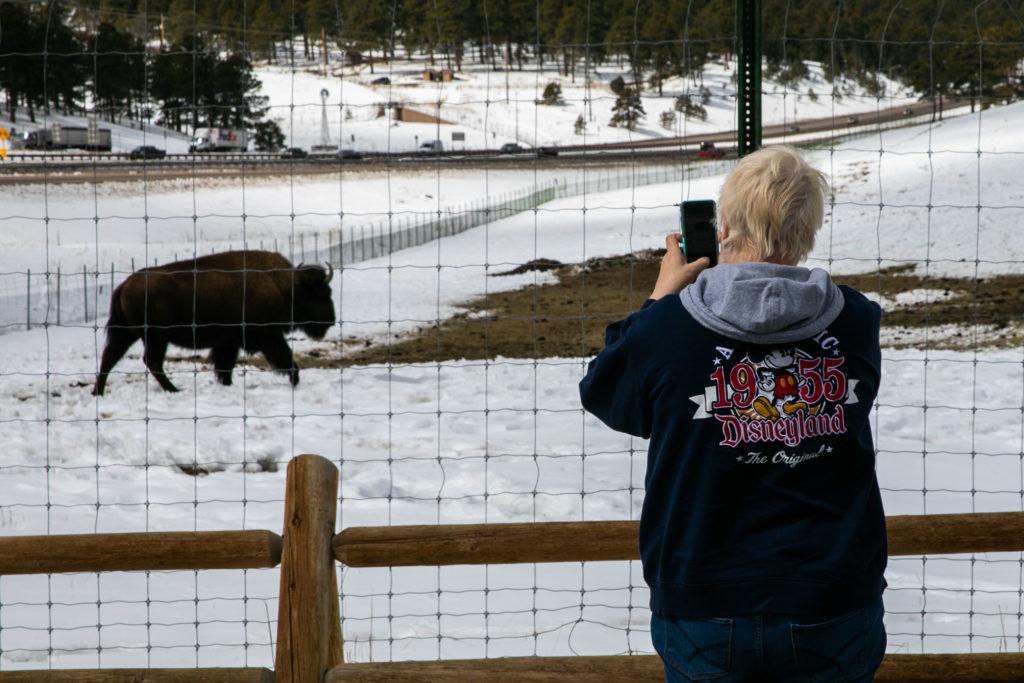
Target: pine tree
[179, 23]
[685, 105]
[268, 136]
[580, 126]
[266, 29]
[628, 110]
[119, 70]
[552, 93]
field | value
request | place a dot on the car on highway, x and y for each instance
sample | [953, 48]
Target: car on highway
[294, 153]
[907, 111]
[511, 148]
[793, 129]
[709, 151]
[349, 155]
[547, 151]
[147, 152]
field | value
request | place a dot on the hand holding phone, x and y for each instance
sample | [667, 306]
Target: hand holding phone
[675, 272]
[700, 238]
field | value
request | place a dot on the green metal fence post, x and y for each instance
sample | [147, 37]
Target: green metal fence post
[748, 76]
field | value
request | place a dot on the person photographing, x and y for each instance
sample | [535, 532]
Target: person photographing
[762, 534]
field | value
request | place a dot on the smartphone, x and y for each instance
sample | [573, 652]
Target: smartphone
[700, 238]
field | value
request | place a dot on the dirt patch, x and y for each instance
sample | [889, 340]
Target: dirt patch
[568, 317]
[565, 318]
[537, 265]
[996, 302]
[194, 469]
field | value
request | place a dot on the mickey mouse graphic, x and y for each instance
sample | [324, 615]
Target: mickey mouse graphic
[780, 386]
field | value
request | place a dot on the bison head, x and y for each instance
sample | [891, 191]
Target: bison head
[314, 306]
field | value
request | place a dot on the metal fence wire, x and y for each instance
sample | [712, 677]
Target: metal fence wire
[470, 286]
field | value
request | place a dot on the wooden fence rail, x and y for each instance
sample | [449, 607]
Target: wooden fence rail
[307, 578]
[250, 675]
[978, 668]
[447, 544]
[452, 544]
[154, 551]
[309, 642]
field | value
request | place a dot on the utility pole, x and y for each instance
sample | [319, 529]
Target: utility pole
[748, 76]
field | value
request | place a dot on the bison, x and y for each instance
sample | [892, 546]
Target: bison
[222, 302]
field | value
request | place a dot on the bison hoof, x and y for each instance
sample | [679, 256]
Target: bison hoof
[96, 392]
[293, 377]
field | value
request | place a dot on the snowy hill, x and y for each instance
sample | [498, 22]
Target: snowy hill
[497, 106]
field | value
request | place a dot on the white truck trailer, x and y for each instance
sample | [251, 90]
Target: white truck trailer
[69, 137]
[220, 140]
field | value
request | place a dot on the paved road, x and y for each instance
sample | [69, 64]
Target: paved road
[78, 168]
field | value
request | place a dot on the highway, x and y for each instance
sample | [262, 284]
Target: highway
[73, 167]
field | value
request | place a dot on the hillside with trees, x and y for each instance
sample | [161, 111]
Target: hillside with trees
[164, 61]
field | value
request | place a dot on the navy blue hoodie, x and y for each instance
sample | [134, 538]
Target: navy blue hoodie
[754, 386]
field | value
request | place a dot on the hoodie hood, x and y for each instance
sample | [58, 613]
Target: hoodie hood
[763, 303]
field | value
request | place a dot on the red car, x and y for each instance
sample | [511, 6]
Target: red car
[709, 151]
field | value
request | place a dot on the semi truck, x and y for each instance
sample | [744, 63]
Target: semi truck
[220, 140]
[69, 137]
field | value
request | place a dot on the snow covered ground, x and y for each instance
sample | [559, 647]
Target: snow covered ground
[491, 107]
[42, 227]
[501, 440]
[494, 107]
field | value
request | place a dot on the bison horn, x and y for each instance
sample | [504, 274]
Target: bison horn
[330, 272]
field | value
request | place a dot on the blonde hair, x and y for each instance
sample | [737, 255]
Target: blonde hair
[774, 202]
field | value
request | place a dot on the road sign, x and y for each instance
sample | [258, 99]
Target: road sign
[458, 136]
[4, 133]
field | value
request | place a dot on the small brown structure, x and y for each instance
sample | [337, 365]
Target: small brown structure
[410, 115]
[434, 75]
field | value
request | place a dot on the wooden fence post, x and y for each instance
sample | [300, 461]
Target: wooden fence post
[308, 621]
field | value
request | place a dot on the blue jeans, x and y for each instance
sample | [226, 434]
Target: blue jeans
[772, 647]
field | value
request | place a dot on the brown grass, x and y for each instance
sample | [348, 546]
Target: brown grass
[567, 318]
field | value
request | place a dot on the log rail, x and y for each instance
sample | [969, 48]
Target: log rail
[448, 544]
[309, 643]
[452, 544]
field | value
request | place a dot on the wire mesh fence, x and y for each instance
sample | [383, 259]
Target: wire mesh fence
[472, 282]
